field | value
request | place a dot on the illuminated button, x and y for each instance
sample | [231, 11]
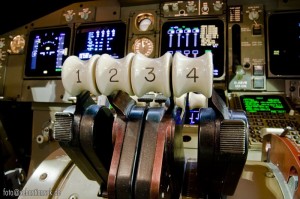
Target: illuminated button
[114, 74]
[258, 70]
[258, 83]
[192, 74]
[197, 101]
[78, 75]
[151, 74]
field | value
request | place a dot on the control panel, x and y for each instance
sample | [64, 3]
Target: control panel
[219, 75]
[246, 46]
[192, 8]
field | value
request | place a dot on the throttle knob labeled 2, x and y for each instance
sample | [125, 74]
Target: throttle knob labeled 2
[151, 74]
[192, 74]
[78, 75]
[114, 74]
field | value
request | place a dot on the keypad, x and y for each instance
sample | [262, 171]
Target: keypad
[257, 121]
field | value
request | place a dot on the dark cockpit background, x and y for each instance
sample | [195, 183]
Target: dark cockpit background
[18, 13]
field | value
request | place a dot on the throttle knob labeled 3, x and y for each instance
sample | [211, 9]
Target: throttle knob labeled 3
[151, 74]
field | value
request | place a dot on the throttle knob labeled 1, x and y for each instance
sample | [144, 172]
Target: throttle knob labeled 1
[192, 74]
[151, 74]
[114, 74]
[78, 75]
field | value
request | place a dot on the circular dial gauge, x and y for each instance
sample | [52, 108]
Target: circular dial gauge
[144, 46]
[17, 44]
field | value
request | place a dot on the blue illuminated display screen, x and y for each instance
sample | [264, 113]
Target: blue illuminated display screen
[46, 52]
[193, 38]
[99, 39]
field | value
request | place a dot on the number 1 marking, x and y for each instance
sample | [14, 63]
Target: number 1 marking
[78, 79]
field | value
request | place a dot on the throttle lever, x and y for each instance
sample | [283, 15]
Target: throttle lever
[219, 105]
[121, 102]
[84, 132]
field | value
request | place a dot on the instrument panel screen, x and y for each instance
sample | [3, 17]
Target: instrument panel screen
[47, 50]
[284, 42]
[264, 103]
[192, 38]
[99, 39]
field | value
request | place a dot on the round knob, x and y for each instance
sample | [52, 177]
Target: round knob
[166, 8]
[205, 8]
[192, 74]
[218, 6]
[174, 6]
[190, 8]
[253, 15]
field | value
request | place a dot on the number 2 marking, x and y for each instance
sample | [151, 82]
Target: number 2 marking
[150, 73]
[194, 75]
[115, 72]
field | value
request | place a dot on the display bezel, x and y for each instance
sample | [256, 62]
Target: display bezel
[42, 72]
[220, 22]
[279, 23]
[120, 40]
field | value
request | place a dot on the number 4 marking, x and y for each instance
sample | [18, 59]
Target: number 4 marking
[192, 74]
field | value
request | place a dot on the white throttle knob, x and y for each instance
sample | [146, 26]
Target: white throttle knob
[192, 74]
[114, 74]
[151, 74]
[197, 101]
[78, 75]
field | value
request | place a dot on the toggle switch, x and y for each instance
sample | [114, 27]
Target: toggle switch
[192, 74]
[114, 74]
[197, 101]
[78, 75]
[151, 74]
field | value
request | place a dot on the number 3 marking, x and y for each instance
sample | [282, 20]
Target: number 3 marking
[150, 73]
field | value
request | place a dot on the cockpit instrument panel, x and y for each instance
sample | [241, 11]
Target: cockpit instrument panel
[192, 38]
[47, 50]
[99, 39]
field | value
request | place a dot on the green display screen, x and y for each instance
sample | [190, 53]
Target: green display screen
[264, 103]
